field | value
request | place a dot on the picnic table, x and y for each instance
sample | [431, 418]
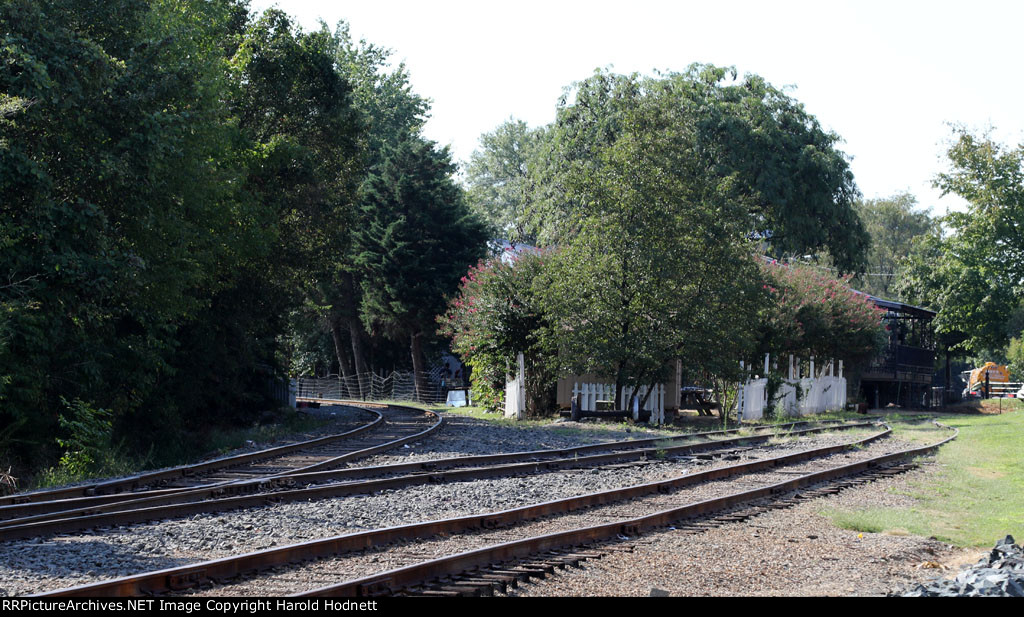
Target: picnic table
[699, 398]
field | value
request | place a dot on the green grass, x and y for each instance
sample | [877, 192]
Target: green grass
[975, 497]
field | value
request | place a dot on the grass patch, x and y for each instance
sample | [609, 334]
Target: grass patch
[988, 406]
[975, 497]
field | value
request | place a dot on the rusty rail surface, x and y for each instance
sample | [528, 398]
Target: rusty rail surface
[186, 576]
[418, 574]
[79, 506]
[83, 505]
[137, 480]
[250, 493]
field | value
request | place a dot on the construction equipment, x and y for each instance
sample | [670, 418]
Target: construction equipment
[994, 377]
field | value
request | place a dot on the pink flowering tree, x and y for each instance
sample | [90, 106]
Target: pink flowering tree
[496, 315]
[815, 314]
[812, 313]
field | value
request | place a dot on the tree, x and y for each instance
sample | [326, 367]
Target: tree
[389, 112]
[305, 166]
[118, 212]
[893, 224]
[418, 238]
[648, 243]
[749, 142]
[973, 274]
[814, 314]
[499, 180]
[498, 314]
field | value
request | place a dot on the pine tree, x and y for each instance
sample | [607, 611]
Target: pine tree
[417, 239]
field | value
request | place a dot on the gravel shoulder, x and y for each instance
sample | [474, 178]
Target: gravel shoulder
[791, 552]
[772, 554]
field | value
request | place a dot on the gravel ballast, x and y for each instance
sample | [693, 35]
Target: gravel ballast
[789, 552]
[32, 566]
[35, 565]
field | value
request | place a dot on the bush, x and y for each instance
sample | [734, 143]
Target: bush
[496, 315]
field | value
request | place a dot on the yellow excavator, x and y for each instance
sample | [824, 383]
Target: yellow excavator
[998, 378]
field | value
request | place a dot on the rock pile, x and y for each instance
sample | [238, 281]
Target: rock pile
[999, 574]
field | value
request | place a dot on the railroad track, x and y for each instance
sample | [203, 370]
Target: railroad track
[484, 552]
[31, 520]
[390, 427]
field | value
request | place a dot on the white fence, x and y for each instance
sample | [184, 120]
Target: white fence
[515, 391]
[797, 396]
[590, 393]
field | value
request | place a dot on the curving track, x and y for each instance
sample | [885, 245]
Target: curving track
[78, 514]
[389, 428]
[488, 551]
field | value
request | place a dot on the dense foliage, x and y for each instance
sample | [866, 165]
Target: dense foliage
[182, 181]
[973, 273]
[498, 314]
[814, 314]
[417, 238]
[652, 190]
[893, 223]
[746, 141]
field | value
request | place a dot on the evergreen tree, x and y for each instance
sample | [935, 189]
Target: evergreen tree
[418, 239]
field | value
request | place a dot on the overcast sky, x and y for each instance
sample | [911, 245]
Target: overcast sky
[888, 77]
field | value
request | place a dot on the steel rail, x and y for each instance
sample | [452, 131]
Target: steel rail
[199, 501]
[421, 573]
[81, 506]
[128, 483]
[186, 576]
[134, 481]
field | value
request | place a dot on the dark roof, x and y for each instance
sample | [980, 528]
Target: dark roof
[900, 307]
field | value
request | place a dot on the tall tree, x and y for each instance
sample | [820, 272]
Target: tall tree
[390, 112]
[652, 247]
[759, 146]
[299, 111]
[418, 239]
[973, 274]
[499, 180]
[117, 208]
[893, 224]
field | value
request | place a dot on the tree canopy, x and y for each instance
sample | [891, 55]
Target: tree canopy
[973, 273]
[418, 238]
[182, 183]
[893, 223]
[649, 190]
[756, 146]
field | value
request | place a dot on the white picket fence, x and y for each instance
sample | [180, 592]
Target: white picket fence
[515, 391]
[824, 391]
[590, 393]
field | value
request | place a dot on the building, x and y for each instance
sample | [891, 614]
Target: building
[902, 373]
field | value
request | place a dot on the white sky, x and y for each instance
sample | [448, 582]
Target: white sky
[888, 77]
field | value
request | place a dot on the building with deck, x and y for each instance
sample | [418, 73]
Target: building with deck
[902, 373]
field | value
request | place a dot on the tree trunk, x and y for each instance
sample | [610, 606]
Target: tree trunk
[344, 361]
[418, 371]
[355, 332]
[650, 389]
